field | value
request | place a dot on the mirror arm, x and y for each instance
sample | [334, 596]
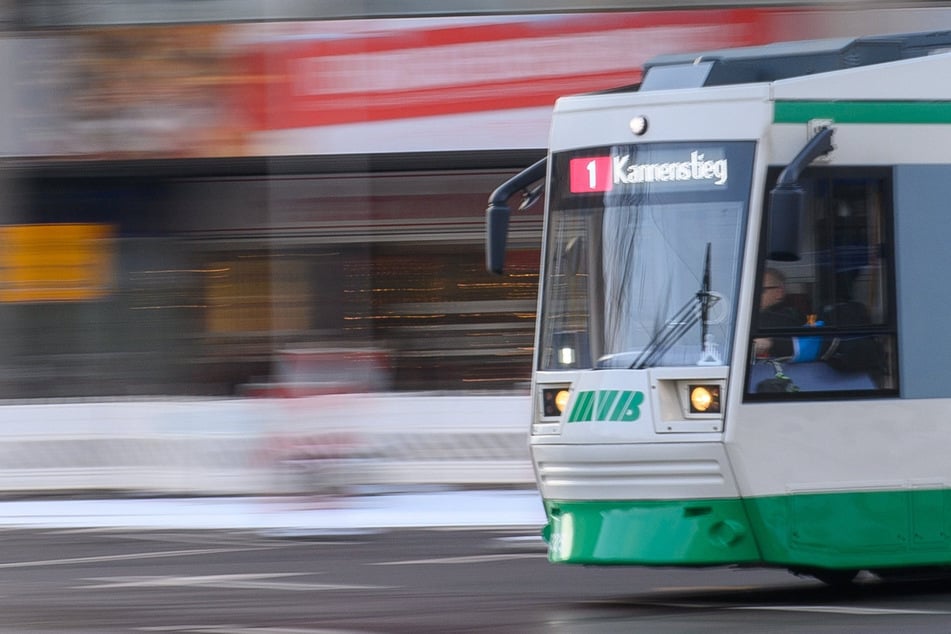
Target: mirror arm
[818, 145]
[498, 212]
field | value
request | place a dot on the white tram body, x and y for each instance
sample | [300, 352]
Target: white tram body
[679, 420]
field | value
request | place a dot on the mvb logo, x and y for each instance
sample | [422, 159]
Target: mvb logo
[608, 405]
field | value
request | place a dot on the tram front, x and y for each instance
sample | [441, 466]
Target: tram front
[675, 421]
[641, 272]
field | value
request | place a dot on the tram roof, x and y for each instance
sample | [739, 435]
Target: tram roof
[783, 60]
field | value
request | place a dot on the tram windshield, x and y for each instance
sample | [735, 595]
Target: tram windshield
[643, 253]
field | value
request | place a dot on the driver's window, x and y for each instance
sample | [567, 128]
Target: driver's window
[824, 324]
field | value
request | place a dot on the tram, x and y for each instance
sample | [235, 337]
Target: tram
[741, 348]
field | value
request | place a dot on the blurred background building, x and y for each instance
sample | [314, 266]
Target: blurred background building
[260, 197]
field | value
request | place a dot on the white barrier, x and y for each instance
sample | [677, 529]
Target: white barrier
[264, 446]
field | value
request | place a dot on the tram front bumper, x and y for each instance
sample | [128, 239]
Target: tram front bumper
[642, 503]
[649, 532]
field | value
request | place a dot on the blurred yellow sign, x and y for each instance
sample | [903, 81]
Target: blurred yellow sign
[56, 262]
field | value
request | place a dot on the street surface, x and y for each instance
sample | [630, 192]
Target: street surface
[406, 580]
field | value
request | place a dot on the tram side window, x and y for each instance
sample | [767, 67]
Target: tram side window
[825, 323]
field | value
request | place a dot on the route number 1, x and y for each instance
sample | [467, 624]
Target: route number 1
[591, 174]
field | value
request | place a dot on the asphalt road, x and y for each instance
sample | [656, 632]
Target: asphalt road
[227, 581]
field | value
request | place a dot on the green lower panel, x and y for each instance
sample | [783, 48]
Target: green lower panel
[858, 530]
[686, 532]
[842, 530]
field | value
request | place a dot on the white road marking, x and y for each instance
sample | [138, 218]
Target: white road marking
[836, 609]
[531, 539]
[472, 559]
[146, 555]
[703, 588]
[242, 629]
[246, 581]
[823, 609]
[279, 630]
[185, 628]
[533, 543]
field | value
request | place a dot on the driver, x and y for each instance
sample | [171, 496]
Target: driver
[776, 312]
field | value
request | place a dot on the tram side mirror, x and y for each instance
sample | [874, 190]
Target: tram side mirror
[786, 205]
[497, 214]
[496, 236]
[787, 201]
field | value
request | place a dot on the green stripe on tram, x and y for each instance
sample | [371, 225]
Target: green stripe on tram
[912, 112]
[854, 529]
[842, 530]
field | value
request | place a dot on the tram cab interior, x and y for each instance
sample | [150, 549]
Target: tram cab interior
[839, 284]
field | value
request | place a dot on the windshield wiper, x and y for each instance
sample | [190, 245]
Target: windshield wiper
[696, 308]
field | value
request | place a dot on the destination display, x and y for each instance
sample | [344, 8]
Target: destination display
[707, 167]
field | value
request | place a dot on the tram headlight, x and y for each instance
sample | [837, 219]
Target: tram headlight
[554, 401]
[704, 399]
